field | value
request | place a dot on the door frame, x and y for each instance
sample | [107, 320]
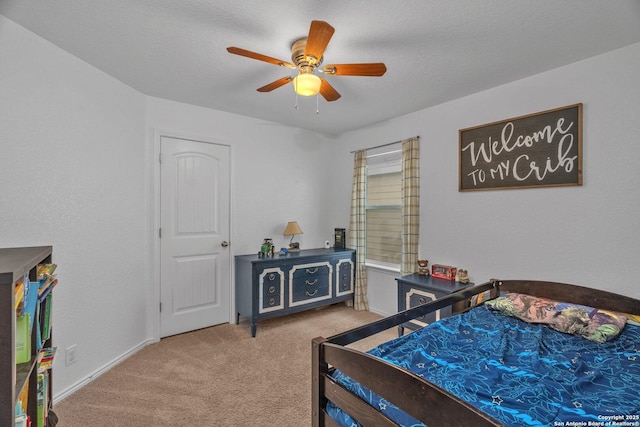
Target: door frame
[153, 306]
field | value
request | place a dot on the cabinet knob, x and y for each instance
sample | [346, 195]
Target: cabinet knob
[224, 244]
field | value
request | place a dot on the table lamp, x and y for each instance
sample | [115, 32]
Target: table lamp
[291, 230]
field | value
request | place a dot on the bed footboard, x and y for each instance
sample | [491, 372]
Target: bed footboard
[415, 396]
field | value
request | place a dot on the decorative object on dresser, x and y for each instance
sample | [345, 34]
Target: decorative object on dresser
[272, 287]
[292, 229]
[462, 275]
[267, 247]
[417, 289]
[443, 271]
[340, 238]
[423, 267]
[26, 283]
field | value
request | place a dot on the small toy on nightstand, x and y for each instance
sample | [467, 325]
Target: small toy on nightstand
[462, 276]
[423, 267]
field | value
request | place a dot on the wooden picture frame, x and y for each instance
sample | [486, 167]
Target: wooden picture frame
[537, 150]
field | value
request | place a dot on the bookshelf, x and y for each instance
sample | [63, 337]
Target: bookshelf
[15, 263]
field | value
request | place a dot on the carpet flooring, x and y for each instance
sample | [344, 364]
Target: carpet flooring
[218, 376]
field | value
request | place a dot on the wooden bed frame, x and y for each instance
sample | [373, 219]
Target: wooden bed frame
[416, 396]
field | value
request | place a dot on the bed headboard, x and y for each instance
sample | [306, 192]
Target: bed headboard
[596, 298]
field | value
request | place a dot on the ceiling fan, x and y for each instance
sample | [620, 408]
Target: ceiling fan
[306, 57]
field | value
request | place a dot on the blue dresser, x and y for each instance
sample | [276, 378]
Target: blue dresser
[272, 286]
[416, 289]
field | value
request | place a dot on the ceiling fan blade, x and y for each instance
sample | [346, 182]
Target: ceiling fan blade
[319, 35]
[375, 69]
[275, 85]
[259, 57]
[328, 92]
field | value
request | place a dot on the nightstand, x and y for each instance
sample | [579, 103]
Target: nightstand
[416, 289]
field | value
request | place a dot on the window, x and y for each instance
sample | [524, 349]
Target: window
[384, 208]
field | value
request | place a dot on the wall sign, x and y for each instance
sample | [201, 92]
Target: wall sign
[538, 150]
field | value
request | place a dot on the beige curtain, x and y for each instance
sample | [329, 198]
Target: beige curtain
[357, 228]
[410, 205]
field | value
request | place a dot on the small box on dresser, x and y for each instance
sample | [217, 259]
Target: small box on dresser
[417, 289]
[272, 286]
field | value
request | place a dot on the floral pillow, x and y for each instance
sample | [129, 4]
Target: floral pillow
[591, 323]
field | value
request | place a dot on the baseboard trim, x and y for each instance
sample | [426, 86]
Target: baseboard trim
[58, 397]
[381, 313]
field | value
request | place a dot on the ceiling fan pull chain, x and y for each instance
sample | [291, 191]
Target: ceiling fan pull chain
[296, 93]
[317, 106]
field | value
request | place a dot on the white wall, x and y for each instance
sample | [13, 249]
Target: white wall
[586, 235]
[72, 176]
[77, 172]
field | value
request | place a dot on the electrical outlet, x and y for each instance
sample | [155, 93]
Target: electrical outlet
[70, 355]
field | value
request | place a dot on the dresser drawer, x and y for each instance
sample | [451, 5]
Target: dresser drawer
[270, 303]
[344, 277]
[309, 272]
[309, 283]
[271, 289]
[415, 297]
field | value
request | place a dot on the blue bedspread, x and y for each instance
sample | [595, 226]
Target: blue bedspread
[519, 373]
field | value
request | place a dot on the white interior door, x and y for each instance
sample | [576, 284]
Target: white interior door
[194, 219]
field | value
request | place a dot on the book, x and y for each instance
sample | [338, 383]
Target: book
[45, 358]
[41, 394]
[19, 298]
[46, 285]
[38, 328]
[45, 318]
[21, 420]
[31, 302]
[45, 270]
[23, 400]
[23, 338]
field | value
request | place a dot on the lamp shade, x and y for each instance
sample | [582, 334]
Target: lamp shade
[292, 228]
[307, 84]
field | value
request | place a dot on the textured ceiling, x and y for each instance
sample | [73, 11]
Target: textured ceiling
[435, 50]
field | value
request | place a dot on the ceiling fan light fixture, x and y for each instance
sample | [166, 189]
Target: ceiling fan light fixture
[307, 84]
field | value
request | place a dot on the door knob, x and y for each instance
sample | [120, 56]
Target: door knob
[224, 244]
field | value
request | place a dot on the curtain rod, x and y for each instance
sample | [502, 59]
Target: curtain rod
[384, 145]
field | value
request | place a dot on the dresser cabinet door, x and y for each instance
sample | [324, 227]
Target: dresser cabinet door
[309, 283]
[415, 297]
[344, 277]
[270, 289]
